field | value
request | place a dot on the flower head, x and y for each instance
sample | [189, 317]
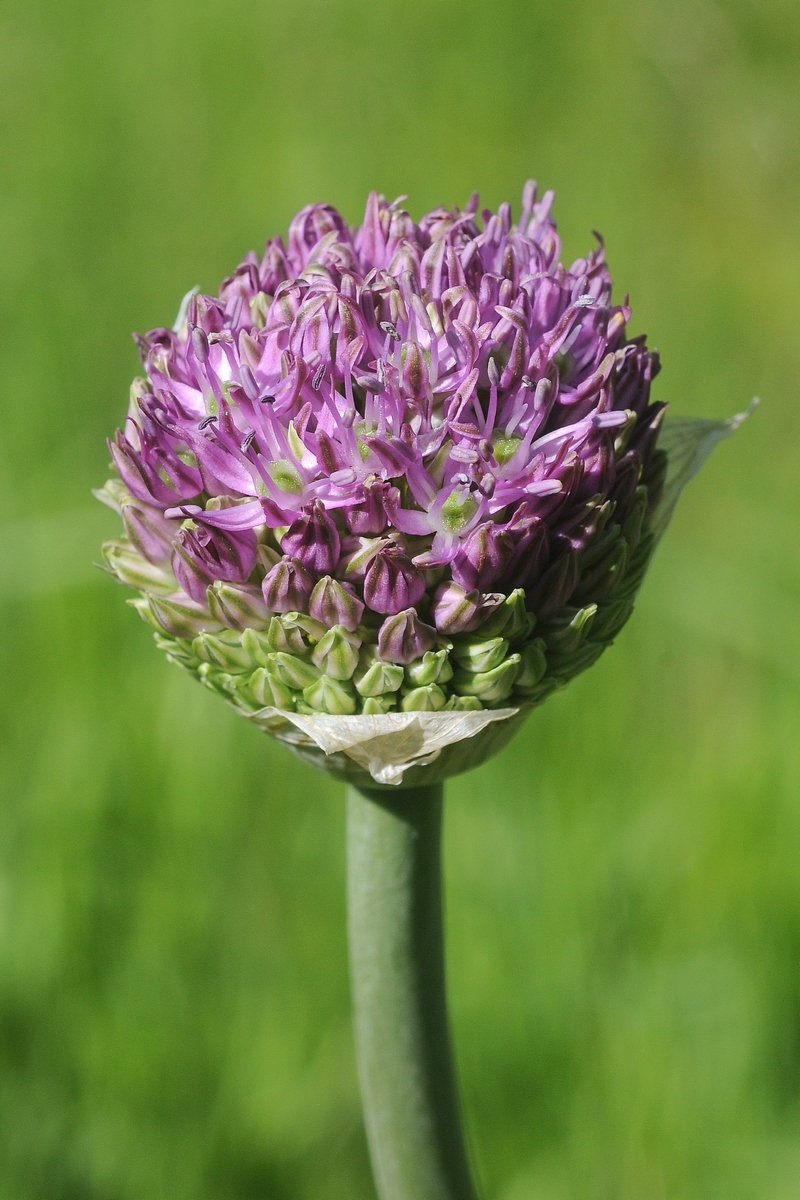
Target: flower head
[405, 466]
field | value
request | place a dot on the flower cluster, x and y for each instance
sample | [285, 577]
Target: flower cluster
[401, 467]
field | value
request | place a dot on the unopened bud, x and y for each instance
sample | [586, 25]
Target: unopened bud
[404, 638]
[239, 606]
[270, 691]
[564, 634]
[456, 610]
[257, 647]
[337, 652]
[478, 654]
[610, 618]
[489, 686]
[287, 586]
[313, 540]
[433, 667]
[128, 566]
[632, 527]
[180, 618]
[464, 704]
[392, 582]
[532, 667]
[375, 706]
[334, 603]
[510, 619]
[376, 678]
[424, 699]
[294, 672]
[287, 636]
[221, 651]
[149, 532]
[330, 696]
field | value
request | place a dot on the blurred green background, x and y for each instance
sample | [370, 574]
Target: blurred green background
[624, 881]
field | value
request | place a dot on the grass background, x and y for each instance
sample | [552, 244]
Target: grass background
[623, 882]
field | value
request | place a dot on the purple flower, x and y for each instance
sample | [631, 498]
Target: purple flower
[410, 421]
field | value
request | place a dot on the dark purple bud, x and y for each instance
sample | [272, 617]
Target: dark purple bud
[598, 468]
[556, 586]
[392, 582]
[150, 532]
[287, 587]
[335, 603]
[313, 540]
[628, 474]
[370, 518]
[530, 553]
[482, 557]
[403, 638]
[203, 555]
[647, 430]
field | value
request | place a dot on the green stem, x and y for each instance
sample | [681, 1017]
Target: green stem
[408, 1082]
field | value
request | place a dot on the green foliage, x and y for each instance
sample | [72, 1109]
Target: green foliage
[623, 892]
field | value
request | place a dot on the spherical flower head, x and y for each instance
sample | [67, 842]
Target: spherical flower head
[402, 467]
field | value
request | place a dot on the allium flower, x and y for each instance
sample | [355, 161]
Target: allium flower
[401, 467]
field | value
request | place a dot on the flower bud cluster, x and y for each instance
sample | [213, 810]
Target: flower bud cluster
[407, 467]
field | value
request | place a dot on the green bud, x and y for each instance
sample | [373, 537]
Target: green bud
[601, 546]
[183, 619]
[433, 667]
[221, 651]
[489, 686]
[563, 635]
[479, 654]
[269, 690]
[532, 667]
[311, 629]
[610, 619]
[287, 638]
[376, 678]
[563, 667]
[294, 672]
[606, 574]
[375, 706]
[113, 494]
[128, 566]
[424, 699]
[178, 651]
[214, 679]
[540, 693]
[330, 696]
[463, 704]
[638, 565]
[239, 606]
[510, 619]
[257, 646]
[337, 652]
[632, 529]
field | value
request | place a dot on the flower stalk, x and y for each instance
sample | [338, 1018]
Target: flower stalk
[405, 1063]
